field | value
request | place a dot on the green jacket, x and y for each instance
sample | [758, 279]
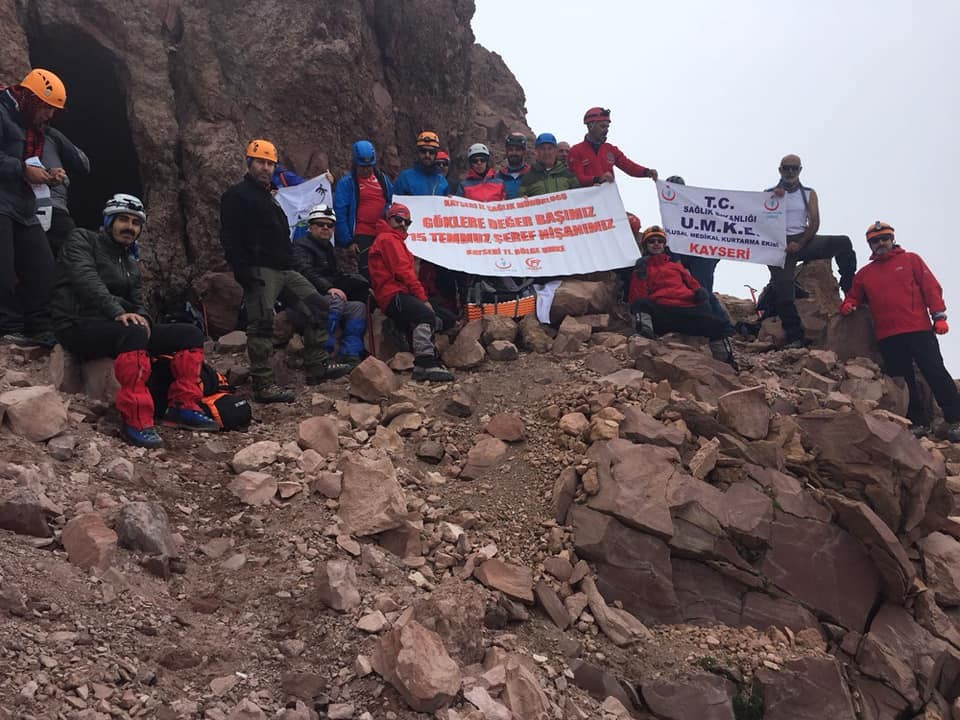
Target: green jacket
[97, 279]
[541, 181]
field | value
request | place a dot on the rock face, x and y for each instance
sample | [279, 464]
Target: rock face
[190, 128]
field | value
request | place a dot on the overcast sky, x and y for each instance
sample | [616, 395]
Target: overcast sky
[866, 93]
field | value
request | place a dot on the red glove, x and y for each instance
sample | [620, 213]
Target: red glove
[847, 306]
[940, 326]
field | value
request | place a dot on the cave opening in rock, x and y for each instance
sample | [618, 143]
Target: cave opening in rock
[95, 119]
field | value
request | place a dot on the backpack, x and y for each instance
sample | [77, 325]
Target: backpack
[220, 400]
[511, 297]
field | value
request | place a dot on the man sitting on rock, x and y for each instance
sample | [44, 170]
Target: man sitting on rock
[314, 258]
[664, 298]
[400, 295]
[98, 311]
[903, 296]
[548, 174]
[255, 235]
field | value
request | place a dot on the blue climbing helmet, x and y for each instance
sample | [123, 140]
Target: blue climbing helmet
[363, 154]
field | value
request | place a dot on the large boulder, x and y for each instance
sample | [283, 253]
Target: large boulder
[413, 659]
[809, 688]
[372, 380]
[36, 413]
[702, 696]
[371, 499]
[941, 562]
[583, 297]
[690, 372]
[878, 461]
[746, 412]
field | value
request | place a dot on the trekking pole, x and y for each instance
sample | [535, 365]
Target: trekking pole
[753, 296]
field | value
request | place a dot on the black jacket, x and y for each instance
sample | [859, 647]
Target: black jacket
[254, 229]
[97, 279]
[316, 261]
[17, 200]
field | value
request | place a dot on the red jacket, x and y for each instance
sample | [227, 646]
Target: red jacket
[661, 280]
[901, 292]
[588, 165]
[391, 266]
[485, 188]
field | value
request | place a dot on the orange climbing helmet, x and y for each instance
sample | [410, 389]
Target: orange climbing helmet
[428, 139]
[46, 86]
[263, 149]
[879, 230]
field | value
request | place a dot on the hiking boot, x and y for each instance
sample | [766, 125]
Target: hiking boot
[15, 338]
[722, 350]
[273, 394]
[919, 431]
[643, 324]
[435, 373]
[146, 438]
[330, 370]
[187, 419]
[795, 344]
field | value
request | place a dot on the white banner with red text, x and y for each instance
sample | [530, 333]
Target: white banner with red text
[724, 224]
[564, 233]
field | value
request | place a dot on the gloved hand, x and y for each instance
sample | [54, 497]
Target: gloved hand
[940, 326]
[847, 307]
[700, 296]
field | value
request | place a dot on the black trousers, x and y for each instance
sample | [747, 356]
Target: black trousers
[60, 226]
[697, 320]
[26, 278]
[91, 339]
[900, 352]
[364, 243]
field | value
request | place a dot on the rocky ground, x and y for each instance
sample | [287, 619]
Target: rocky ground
[610, 527]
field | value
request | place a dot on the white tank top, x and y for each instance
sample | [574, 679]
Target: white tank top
[796, 212]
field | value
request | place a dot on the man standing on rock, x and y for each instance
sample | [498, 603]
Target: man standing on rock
[548, 174]
[26, 261]
[359, 200]
[593, 160]
[255, 235]
[98, 311]
[803, 220]
[423, 178]
[401, 296]
[516, 166]
[904, 296]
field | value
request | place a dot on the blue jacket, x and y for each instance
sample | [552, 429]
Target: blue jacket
[345, 194]
[417, 181]
[510, 183]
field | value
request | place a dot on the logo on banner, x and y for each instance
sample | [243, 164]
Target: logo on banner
[771, 204]
[532, 263]
[503, 264]
[668, 193]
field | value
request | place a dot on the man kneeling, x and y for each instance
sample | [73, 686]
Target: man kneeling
[98, 311]
[400, 295]
[664, 297]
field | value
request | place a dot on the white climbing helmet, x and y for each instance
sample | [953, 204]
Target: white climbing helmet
[321, 212]
[121, 203]
[477, 149]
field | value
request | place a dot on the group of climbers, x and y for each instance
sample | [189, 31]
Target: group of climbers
[92, 299]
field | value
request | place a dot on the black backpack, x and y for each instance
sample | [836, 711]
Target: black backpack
[220, 400]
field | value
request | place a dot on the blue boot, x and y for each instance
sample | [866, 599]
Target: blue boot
[146, 438]
[188, 419]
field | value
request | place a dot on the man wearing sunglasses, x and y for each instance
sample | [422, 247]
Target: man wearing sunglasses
[443, 164]
[904, 297]
[315, 259]
[423, 178]
[401, 296]
[593, 160]
[664, 297]
[481, 181]
[803, 244]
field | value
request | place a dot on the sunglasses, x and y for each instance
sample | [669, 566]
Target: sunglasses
[479, 159]
[402, 221]
[426, 151]
[443, 163]
[790, 168]
[879, 238]
[659, 240]
[323, 224]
